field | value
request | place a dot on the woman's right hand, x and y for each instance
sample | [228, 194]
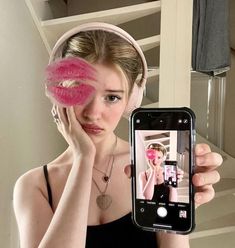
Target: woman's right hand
[71, 130]
[152, 165]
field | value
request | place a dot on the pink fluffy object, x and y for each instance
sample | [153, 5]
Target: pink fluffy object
[151, 154]
[71, 68]
[70, 96]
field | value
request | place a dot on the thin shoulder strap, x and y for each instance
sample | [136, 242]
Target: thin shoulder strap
[48, 185]
[146, 177]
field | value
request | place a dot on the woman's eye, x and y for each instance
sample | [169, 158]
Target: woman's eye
[112, 98]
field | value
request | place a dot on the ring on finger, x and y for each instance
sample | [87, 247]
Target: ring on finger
[56, 118]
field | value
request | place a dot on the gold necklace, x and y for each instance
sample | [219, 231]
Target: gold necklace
[104, 200]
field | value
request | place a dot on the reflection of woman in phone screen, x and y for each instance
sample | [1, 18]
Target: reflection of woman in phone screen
[152, 180]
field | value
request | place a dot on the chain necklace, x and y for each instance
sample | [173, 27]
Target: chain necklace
[105, 177]
[104, 200]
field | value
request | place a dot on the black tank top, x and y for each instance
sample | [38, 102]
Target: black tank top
[161, 193]
[120, 233]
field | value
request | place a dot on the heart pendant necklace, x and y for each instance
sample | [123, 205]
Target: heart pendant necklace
[105, 177]
[104, 200]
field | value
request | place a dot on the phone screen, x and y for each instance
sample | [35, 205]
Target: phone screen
[170, 173]
[162, 158]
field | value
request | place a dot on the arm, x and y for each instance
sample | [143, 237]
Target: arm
[37, 224]
[142, 183]
[173, 197]
[67, 227]
[147, 187]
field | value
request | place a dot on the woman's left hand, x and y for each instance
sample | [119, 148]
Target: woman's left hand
[205, 173]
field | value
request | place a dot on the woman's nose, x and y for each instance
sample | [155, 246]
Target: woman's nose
[93, 110]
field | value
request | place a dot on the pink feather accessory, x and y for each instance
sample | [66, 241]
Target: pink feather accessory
[76, 71]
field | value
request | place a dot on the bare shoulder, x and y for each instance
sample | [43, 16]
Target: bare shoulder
[33, 182]
[30, 178]
[28, 185]
[34, 179]
[32, 210]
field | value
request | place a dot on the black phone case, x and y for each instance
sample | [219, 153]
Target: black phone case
[193, 136]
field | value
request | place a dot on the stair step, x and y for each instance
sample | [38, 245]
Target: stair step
[223, 237]
[213, 220]
[226, 186]
[153, 72]
[149, 43]
[218, 207]
[115, 16]
[151, 105]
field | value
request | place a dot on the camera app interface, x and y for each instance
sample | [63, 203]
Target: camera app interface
[162, 163]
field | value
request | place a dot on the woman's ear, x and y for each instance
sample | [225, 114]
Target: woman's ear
[127, 170]
[135, 99]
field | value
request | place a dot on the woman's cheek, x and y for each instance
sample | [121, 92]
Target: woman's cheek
[114, 118]
[78, 111]
[116, 113]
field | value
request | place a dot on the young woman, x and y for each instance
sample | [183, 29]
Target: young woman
[152, 180]
[83, 197]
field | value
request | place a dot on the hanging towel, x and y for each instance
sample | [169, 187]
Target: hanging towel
[210, 42]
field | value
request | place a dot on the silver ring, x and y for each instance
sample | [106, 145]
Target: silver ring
[56, 118]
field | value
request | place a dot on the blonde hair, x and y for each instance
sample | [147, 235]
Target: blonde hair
[99, 46]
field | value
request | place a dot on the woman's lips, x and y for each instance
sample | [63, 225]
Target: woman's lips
[92, 129]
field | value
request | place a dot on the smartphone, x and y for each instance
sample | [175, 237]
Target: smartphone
[170, 173]
[163, 160]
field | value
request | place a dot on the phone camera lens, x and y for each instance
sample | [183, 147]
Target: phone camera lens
[185, 121]
[161, 121]
[138, 121]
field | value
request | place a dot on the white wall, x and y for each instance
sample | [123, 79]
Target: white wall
[28, 136]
